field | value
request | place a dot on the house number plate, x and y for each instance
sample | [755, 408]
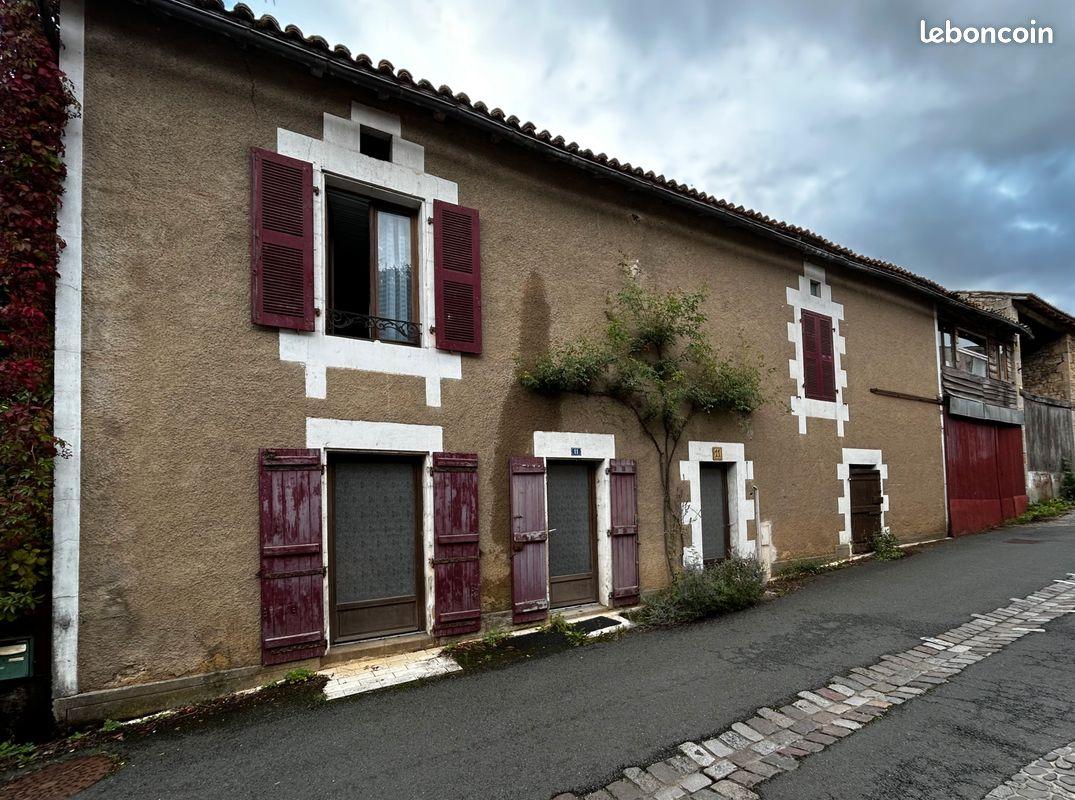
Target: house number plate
[718, 453]
[576, 451]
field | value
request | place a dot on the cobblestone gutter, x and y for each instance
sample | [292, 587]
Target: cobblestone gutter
[1051, 777]
[776, 740]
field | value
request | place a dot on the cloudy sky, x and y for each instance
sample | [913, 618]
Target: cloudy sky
[955, 161]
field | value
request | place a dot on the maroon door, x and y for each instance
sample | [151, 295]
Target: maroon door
[529, 540]
[456, 577]
[292, 567]
[624, 532]
[986, 483]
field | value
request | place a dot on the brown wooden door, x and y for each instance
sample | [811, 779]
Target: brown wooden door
[375, 547]
[865, 507]
[716, 521]
[572, 533]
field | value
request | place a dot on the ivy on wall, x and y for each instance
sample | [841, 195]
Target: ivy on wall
[35, 104]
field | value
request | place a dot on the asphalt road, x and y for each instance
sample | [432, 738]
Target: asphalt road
[573, 720]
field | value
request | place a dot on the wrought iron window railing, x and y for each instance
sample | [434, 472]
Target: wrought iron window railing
[367, 326]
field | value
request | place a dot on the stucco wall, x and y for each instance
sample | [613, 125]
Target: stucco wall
[180, 389]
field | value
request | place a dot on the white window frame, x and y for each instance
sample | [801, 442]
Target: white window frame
[402, 180]
[740, 506]
[800, 300]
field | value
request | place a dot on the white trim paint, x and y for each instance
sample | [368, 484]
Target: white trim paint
[404, 180]
[869, 458]
[599, 447]
[739, 472]
[67, 386]
[380, 437]
[940, 410]
[801, 299]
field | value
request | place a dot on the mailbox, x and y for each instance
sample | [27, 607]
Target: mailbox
[16, 658]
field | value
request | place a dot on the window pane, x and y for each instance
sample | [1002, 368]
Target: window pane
[394, 271]
[947, 351]
[972, 354]
[349, 264]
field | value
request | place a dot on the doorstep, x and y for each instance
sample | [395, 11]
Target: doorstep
[370, 672]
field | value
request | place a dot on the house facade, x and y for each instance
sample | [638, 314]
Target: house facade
[1047, 381]
[296, 292]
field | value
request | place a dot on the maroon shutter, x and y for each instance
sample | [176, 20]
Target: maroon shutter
[456, 579]
[457, 277]
[819, 371]
[292, 569]
[624, 532]
[282, 250]
[529, 540]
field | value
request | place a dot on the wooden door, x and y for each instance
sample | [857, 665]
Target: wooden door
[375, 556]
[572, 533]
[716, 521]
[865, 484]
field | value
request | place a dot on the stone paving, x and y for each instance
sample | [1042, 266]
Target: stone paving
[775, 740]
[366, 675]
[1051, 777]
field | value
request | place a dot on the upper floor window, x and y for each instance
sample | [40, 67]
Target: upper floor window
[819, 371]
[372, 261]
[976, 355]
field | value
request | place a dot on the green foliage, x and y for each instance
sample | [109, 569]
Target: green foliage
[111, 726]
[298, 675]
[18, 752]
[558, 624]
[803, 569]
[36, 103]
[886, 547]
[1044, 510]
[653, 357]
[727, 586]
[494, 636]
[1067, 481]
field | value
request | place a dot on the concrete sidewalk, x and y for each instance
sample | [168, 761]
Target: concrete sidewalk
[574, 720]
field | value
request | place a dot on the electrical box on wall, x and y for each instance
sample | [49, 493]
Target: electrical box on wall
[16, 658]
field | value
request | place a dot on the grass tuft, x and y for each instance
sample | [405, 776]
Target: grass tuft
[730, 585]
[1046, 509]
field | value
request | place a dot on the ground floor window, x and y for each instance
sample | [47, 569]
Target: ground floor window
[375, 546]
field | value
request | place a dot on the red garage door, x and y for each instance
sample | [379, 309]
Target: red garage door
[985, 473]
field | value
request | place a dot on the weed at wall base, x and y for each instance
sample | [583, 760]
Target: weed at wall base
[727, 586]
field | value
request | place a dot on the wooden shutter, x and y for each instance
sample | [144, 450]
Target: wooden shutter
[282, 250]
[624, 532]
[292, 568]
[819, 370]
[456, 577]
[529, 540]
[457, 278]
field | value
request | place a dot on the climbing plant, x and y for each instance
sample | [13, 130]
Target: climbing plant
[654, 358]
[35, 104]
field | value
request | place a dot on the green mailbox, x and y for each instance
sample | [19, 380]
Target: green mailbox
[16, 658]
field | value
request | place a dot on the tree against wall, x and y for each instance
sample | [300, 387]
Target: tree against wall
[654, 358]
[35, 104]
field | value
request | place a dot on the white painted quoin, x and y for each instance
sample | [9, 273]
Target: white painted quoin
[868, 458]
[802, 299]
[741, 507]
[356, 436]
[403, 180]
[599, 447]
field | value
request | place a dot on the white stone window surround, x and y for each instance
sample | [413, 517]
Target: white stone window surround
[801, 299]
[740, 506]
[858, 457]
[600, 448]
[336, 156]
[356, 436]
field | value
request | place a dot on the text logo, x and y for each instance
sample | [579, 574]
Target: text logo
[954, 34]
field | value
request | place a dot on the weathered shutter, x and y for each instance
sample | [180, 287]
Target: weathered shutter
[529, 540]
[282, 249]
[819, 376]
[456, 577]
[292, 568]
[624, 532]
[457, 277]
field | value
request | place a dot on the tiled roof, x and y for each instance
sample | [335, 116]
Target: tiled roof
[415, 89]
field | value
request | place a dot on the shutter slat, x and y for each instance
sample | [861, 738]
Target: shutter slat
[292, 567]
[456, 565]
[819, 376]
[624, 533]
[457, 277]
[282, 250]
[529, 537]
